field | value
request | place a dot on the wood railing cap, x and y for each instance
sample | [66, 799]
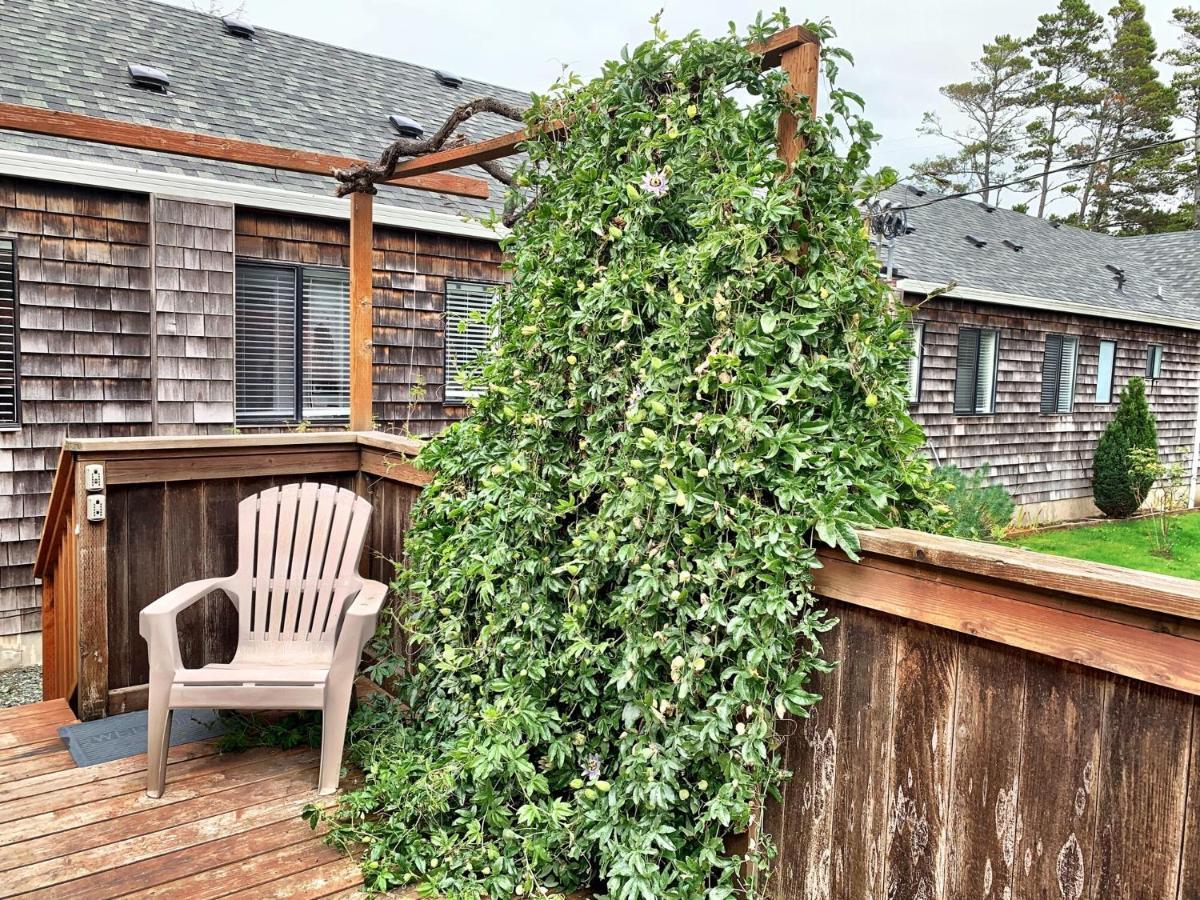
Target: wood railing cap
[1112, 584]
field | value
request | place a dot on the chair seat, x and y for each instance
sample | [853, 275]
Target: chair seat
[234, 673]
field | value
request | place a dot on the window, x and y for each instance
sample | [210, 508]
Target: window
[1058, 373]
[467, 333]
[975, 375]
[1153, 361]
[917, 330]
[292, 352]
[1104, 371]
[10, 379]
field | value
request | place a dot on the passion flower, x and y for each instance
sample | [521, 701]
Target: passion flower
[655, 183]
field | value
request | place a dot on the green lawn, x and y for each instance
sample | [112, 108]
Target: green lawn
[1124, 544]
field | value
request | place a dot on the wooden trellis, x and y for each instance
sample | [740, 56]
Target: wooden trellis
[796, 50]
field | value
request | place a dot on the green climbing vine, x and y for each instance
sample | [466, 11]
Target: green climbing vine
[697, 375]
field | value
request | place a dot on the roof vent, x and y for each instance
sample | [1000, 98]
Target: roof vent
[149, 78]
[449, 79]
[1055, 224]
[239, 27]
[1013, 246]
[986, 207]
[915, 190]
[405, 126]
[976, 241]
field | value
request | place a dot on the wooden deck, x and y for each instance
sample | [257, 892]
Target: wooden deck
[228, 825]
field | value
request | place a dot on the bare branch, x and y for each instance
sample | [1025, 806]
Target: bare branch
[362, 179]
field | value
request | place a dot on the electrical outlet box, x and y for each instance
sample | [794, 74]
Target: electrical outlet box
[95, 508]
[93, 477]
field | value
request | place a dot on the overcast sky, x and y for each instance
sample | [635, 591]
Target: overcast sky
[904, 50]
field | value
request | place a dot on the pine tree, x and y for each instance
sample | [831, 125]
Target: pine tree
[1135, 111]
[994, 104]
[1116, 490]
[1063, 49]
[1186, 82]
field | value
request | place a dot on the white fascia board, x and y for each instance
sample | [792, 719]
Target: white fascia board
[147, 181]
[1003, 298]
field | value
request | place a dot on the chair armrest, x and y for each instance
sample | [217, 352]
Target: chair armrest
[358, 624]
[156, 623]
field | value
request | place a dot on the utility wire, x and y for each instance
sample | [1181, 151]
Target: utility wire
[1040, 175]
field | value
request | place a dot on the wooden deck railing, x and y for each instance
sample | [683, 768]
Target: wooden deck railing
[997, 718]
[171, 517]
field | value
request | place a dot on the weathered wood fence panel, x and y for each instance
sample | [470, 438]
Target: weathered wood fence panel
[942, 765]
[1001, 724]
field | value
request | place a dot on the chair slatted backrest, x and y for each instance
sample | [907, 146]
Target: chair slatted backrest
[298, 552]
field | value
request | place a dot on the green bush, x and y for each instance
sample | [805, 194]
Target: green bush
[1117, 487]
[697, 376]
[979, 511]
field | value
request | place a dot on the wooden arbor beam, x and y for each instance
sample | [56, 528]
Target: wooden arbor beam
[362, 353]
[206, 146]
[796, 49]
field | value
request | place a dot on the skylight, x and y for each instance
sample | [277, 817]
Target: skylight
[149, 77]
[239, 27]
[405, 126]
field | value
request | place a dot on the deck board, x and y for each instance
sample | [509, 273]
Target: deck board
[228, 824]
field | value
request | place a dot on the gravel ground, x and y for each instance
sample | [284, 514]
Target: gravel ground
[19, 686]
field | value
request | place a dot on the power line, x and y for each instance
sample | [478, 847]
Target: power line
[1039, 175]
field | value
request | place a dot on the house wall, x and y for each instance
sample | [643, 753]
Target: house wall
[411, 269]
[126, 307]
[1046, 460]
[83, 270]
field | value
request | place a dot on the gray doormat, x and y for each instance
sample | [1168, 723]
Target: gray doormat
[117, 737]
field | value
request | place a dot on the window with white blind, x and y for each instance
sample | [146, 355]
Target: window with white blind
[292, 343]
[467, 333]
[1105, 367]
[917, 331]
[975, 371]
[1058, 373]
[10, 376]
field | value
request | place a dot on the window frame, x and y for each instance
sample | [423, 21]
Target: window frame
[973, 413]
[241, 420]
[1154, 354]
[917, 330]
[467, 396]
[1112, 371]
[1062, 339]
[17, 421]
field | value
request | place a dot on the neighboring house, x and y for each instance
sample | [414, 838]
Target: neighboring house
[144, 293]
[1020, 364]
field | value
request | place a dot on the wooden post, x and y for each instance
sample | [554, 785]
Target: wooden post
[91, 599]
[361, 315]
[801, 64]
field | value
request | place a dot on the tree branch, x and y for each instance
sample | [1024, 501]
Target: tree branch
[362, 179]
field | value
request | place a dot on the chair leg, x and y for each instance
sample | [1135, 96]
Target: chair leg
[333, 735]
[158, 738]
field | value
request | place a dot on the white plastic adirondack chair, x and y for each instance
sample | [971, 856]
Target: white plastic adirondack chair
[304, 617]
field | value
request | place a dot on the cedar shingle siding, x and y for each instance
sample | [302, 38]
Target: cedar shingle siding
[88, 283]
[83, 263]
[1039, 456]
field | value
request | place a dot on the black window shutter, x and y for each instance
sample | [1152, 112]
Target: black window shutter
[966, 375]
[9, 357]
[1051, 372]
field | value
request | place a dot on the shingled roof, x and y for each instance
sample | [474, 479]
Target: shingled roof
[72, 55]
[1063, 266]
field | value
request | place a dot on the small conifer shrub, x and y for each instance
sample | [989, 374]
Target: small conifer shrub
[1118, 486]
